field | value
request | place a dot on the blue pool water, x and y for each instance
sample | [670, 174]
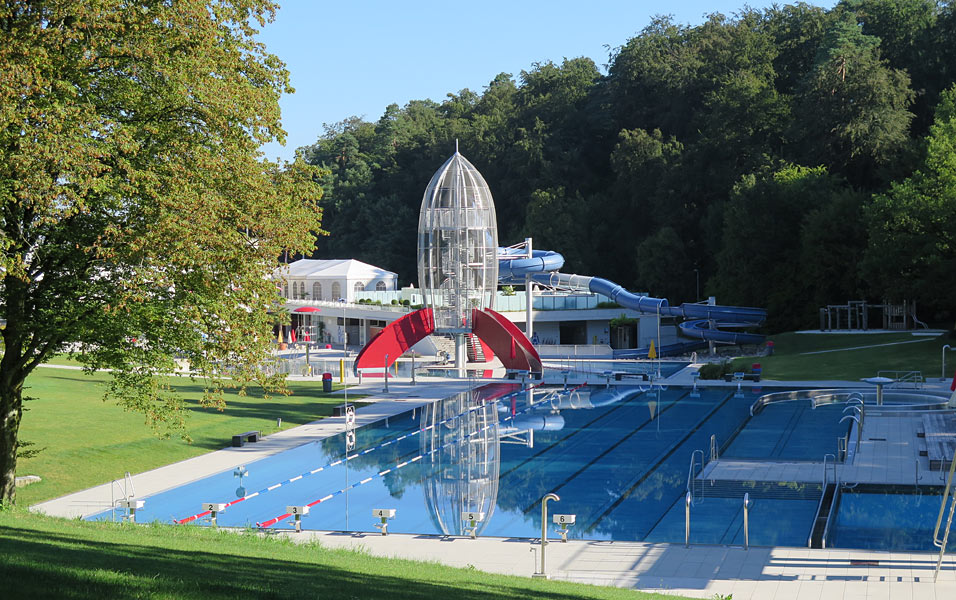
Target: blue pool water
[618, 457]
[797, 431]
[886, 518]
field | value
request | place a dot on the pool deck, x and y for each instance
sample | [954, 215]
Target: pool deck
[701, 571]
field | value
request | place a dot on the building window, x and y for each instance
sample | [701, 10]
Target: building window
[285, 289]
[336, 290]
[358, 287]
[302, 290]
[316, 291]
[380, 286]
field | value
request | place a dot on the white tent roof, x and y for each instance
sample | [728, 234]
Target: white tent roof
[338, 268]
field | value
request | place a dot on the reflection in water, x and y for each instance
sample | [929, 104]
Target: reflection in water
[463, 459]
[462, 439]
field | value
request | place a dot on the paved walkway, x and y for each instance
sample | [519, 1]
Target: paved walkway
[698, 571]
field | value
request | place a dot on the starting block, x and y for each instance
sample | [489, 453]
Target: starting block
[472, 518]
[384, 514]
[215, 508]
[564, 521]
[131, 507]
[297, 512]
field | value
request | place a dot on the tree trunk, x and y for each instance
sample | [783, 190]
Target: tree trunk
[11, 410]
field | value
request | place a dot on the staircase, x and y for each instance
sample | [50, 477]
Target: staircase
[474, 348]
[444, 343]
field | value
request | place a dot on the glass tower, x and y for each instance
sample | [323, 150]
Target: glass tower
[457, 245]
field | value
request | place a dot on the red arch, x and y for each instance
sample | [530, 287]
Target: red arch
[397, 337]
[510, 344]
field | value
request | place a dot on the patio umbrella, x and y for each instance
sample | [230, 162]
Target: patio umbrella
[307, 309]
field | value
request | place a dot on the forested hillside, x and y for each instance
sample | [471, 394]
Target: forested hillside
[793, 156]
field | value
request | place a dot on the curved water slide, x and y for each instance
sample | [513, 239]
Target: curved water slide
[701, 321]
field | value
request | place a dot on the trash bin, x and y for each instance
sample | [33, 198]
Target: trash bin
[326, 382]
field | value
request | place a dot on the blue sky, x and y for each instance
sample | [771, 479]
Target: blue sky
[355, 57]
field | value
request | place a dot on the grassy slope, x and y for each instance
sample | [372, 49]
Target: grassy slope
[790, 362]
[87, 442]
[43, 557]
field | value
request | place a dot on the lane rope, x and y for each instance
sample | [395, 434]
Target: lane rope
[301, 476]
[274, 520]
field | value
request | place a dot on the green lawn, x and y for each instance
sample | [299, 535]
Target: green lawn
[87, 442]
[852, 356]
[44, 557]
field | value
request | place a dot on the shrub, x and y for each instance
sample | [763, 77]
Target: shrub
[716, 370]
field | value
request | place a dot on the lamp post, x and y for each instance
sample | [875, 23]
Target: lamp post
[345, 351]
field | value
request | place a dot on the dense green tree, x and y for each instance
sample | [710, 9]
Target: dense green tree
[852, 108]
[770, 223]
[912, 227]
[137, 221]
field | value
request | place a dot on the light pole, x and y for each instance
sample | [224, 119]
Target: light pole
[345, 351]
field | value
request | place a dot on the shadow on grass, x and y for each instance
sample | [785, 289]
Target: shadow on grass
[42, 564]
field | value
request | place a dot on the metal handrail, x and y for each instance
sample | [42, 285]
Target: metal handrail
[833, 468]
[688, 500]
[942, 546]
[939, 519]
[826, 528]
[544, 530]
[746, 520]
[859, 429]
[690, 473]
[915, 377]
[823, 489]
[714, 451]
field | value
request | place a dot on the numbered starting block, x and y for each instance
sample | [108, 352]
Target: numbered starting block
[215, 508]
[297, 512]
[564, 521]
[384, 514]
[131, 507]
[472, 518]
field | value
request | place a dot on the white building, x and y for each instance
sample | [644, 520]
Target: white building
[329, 280]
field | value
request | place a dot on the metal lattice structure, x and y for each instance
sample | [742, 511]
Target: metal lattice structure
[457, 245]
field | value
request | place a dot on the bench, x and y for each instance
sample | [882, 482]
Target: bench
[242, 438]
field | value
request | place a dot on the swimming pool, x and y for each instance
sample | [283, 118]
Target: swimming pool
[617, 456]
[886, 518]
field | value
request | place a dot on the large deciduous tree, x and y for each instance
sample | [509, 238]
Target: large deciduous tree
[137, 221]
[912, 227]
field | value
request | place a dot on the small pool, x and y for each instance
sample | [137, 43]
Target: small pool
[886, 518]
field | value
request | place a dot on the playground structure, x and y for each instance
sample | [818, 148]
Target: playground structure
[857, 315]
[460, 267]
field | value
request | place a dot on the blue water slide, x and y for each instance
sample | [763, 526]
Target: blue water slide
[701, 321]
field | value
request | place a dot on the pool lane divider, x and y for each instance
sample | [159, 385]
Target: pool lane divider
[274, 520]
[268, 489]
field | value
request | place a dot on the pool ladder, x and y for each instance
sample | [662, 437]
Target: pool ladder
[692, 487]
[126, 493]
[941, 543]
